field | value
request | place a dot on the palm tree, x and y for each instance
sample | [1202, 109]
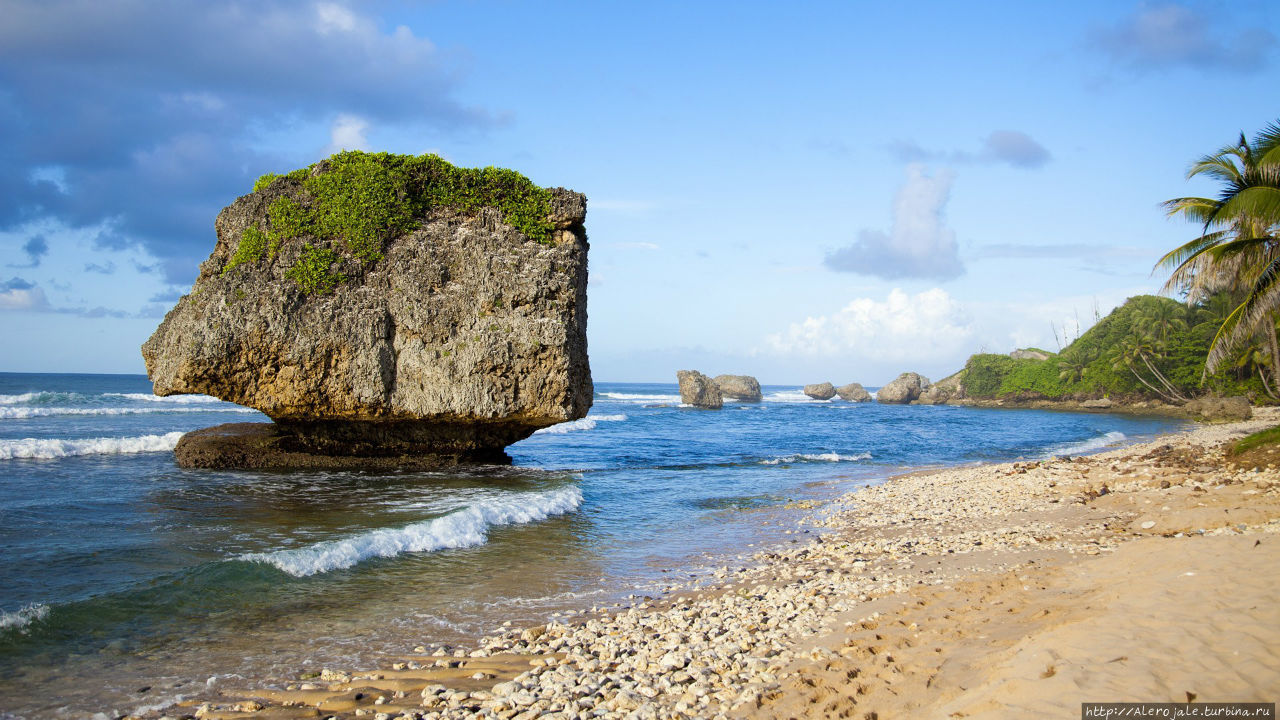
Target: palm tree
[1162, 318]
[1141, 347]
[1239, 246]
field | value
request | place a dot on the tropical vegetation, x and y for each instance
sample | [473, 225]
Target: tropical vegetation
[1149, 347]
[352, 203]
[1235, 261]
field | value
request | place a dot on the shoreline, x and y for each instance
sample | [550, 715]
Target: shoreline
[880, 602]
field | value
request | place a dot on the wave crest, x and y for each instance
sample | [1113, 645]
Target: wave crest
[816, 457]
[24, 617]
[1090, 445]
[49, 448]
[462, 528]
[586, 423]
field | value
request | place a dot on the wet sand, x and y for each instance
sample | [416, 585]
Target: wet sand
[1006, 590]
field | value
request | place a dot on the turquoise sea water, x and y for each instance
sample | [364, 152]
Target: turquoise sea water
[127, 582]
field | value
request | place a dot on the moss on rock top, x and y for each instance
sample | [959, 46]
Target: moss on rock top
[359, 201]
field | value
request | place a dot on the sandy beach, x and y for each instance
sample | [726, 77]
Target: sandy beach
[1007, 590]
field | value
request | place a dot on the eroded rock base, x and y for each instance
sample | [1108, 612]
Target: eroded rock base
[268, 446]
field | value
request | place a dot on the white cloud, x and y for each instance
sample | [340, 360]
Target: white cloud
[927, 327]
[348, 133]
[918, 245]
[331, 17]
[21, 295]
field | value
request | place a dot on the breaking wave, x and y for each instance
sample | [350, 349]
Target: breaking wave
[48, 448]
[816, 457]
[21, 413]
[21, 618]
[586, 423]
[462, 528]
[1090, 445]
[641, 397]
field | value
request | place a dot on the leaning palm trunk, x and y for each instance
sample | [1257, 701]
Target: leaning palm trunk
[1153, 388]
[1266, 386]
[1161, 378]
[1274, 347]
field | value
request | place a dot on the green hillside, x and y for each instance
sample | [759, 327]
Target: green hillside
[1149, 348]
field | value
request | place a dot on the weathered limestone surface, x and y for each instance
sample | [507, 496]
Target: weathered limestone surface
[464, 338]
[820, 391]
[1219, 409]
[853, 392]
[699, 390]
[903, 389]
[743, 388]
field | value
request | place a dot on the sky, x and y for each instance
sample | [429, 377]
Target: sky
[804, 192]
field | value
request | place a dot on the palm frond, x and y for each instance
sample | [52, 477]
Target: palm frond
[1188, 251]
[1221, 166]
[1267, 142]
[1259, 203]
[1260, 305]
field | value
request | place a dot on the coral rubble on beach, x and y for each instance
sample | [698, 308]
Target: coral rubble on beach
[1140, 574]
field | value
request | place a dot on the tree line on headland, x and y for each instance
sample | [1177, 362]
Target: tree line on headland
[1222, 337]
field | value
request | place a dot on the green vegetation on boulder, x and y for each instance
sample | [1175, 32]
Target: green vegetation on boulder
[1151, 347]
[356, 201]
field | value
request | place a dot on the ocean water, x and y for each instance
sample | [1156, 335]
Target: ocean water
[127, 582]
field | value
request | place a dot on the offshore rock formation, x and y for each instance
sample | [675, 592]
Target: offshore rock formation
[699, 390]
[742, 388]
[446, 336]
[820, 391]
[903, 389]
[853, 392]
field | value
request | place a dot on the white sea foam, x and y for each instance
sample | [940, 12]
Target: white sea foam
[24, 617]
[790, 396]
[816, 457]
[586, 423]
[462, 528]
[1090, 445]
[57, 448]
[641, 398]
[19, 413]
[40, 396]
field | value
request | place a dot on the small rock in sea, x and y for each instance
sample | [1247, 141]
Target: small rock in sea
[820, 391]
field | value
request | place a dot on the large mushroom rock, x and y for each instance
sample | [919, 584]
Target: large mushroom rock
[820, 391]
[699, 390]
[380, 306]
[903, 389]
[742, 388]
[853, 392]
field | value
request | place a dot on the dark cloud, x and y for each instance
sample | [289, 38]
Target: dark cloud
[1011, 147]
[19, 294]
[1169, 35]
[139, 117]
[919, 245]
[35, 248]
[1014, 148]
[16, 283]
[172, 295]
